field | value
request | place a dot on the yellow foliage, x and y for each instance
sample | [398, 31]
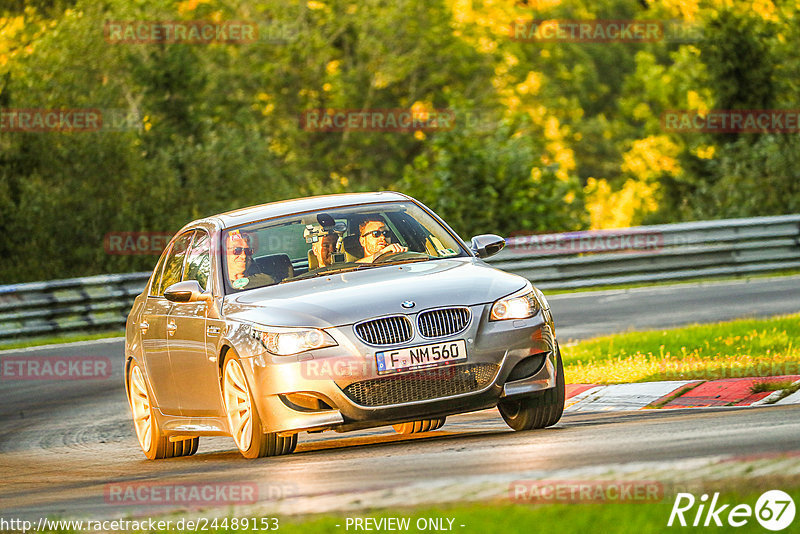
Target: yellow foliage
[313, 4]
[697, 103]
[10, 30]
[420, 110]
[380, 80]
[686, 9]
[343, 180]
[765, 9]
[268, 109]
[510, 59]
[332, 67]
[705, 152]
[11, 26]
[190, 5]
[619, 209]
[462, 11]
[651, 157]
[531, 85]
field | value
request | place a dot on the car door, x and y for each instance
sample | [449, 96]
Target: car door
[155, 327]
[192, 348]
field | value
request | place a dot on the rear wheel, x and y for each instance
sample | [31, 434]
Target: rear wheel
[151, 439]
[243, 419]
[415, 427]
[543, 410]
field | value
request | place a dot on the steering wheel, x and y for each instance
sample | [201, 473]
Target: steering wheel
[382, 257]
[386, 255]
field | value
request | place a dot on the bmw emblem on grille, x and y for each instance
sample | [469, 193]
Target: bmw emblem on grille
[408, 304]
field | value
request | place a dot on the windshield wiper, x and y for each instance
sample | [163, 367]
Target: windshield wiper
[401, 262]
[359, 267]
[315, 274]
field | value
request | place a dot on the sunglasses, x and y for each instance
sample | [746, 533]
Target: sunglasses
[376, 233]
[247, 251]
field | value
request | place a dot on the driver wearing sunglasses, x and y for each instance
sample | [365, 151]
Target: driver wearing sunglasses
[376, 240]
[243, 273]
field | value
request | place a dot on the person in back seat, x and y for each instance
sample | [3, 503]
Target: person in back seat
[323, 245]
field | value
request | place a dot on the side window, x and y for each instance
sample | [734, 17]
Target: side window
[173, 268]
[198, 262]
[157, 272]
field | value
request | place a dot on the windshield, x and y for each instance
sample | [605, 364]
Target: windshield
[319, 243]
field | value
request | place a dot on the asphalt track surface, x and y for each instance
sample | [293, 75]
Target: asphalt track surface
[63, 444]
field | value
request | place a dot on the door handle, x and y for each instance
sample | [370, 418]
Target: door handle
[171, 327]
[143, 326]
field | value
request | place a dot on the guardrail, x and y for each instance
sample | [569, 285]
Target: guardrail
[654, 253]
[552, 261]
[84, 304]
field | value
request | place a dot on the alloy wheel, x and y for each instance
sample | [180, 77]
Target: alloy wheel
[237, 404]
[140, 406]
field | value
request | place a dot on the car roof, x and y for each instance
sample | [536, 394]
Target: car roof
[281, 208]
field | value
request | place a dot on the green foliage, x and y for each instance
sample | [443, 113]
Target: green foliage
[522, 197]
[216, 126]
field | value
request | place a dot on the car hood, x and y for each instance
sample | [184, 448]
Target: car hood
[346, 298]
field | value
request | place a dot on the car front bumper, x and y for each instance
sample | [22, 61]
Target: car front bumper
[505, 359]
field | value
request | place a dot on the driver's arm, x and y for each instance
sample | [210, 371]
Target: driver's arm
[393, 248]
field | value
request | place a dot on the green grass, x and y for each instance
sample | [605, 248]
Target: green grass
[774, 385]
[504, 517]
[748, 347]
[64, 338]
[575, 518]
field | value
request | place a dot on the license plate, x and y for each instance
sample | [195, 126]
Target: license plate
[423, 356]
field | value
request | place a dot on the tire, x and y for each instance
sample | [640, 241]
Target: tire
[540, 411]
[244, 422]
[154, 443]
[416, 427]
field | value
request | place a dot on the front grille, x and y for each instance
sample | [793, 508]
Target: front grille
[385, 331]
[443, 322]
[422, 385]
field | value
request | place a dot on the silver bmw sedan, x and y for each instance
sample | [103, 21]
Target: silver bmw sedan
[338, 312]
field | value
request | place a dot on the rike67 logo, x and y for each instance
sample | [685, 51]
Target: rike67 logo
[774, 510]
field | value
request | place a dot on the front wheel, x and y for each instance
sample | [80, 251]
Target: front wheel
[543, 410]
[151, 439]
[243, 419]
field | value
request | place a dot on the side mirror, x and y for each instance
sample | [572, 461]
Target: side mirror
[487, 245]
[186, 291]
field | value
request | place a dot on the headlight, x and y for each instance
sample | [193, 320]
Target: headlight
[521, 305]
[285, 341]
